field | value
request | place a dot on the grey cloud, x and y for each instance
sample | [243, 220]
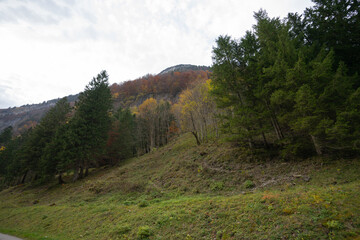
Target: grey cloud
[84, 33]
[54, 8]
[87, 15]
[43, 12]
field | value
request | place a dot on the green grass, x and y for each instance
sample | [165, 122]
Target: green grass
[178, 193]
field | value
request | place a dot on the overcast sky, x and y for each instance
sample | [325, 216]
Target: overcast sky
[50, 49]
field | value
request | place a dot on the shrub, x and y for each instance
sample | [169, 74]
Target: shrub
[143, 203]
[333, 224]
[217, 186]
[144, 232]
[123, 229]
[249, 184]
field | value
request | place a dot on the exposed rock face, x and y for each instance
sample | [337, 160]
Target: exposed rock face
[184, 68]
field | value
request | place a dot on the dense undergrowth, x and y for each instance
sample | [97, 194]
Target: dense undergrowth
[184, 191]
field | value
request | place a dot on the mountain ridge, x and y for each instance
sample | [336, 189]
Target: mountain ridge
[184, 67]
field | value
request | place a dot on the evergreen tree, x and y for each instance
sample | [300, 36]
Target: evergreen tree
[60, 115]
[5, 136]
[33, 150]
[275, 84]
[11, 167]
[91, 123]
[58, 154]
[335, 24]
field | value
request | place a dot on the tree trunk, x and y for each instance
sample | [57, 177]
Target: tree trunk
[275, 128]
[76, 174]
[275, 122]
[250, 143]
[152, 134]
[264, 139]
[204, 127]
[60, 180]
[196, 137]
[263, 135]
[23, 177]
[86, 171]
[194, 132]
[36, 176]
[81, 172]
[278, 127]
[316, 145]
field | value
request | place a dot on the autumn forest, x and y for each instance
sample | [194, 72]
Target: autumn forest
[289, 87]
[262, 144]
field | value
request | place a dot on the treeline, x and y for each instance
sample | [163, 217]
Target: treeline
[292, 84]
[65, 138]
[87, 135]
[139, 131]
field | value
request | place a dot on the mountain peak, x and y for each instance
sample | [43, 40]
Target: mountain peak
[183, 68]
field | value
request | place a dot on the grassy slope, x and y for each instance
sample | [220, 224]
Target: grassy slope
[183, 191]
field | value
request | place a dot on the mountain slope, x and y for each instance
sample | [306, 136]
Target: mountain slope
[165, 86]
[183, 191]
[21, 118]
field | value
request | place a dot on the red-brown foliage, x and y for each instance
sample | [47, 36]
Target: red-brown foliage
[172, 83]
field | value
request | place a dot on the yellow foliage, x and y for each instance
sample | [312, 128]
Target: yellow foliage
[208, 83]
[115, 95]
[195, 109]
[134, 110]
[147, 106]
[2, 148]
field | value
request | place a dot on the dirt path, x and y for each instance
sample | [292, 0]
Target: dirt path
[8, 237]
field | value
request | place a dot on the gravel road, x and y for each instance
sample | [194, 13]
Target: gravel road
[8, 237]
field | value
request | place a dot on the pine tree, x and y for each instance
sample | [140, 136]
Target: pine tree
[11, 166]
[91, 123]
[33, 150]
[50, 157]
[5, 136]
[277, 84]
[335, 24]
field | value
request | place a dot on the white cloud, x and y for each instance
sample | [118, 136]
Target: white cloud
[56, 47]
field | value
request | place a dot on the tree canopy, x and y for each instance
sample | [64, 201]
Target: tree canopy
[285, 86]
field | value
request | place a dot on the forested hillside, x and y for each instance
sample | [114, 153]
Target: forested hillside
[47, 146]
[166, 86]
[24, 117]
[283, 88]
[279, 111]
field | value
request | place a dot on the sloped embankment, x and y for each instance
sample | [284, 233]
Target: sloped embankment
[183, 191]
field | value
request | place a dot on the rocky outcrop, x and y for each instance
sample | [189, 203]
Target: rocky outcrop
[184, 68]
